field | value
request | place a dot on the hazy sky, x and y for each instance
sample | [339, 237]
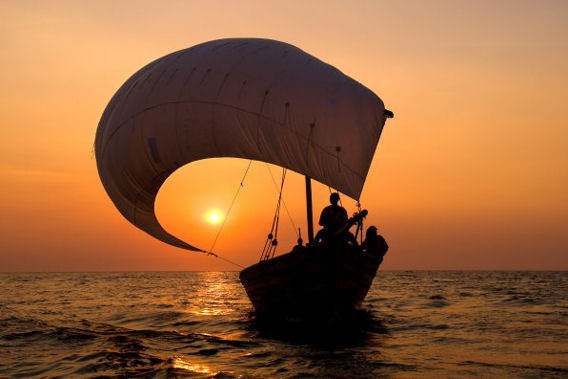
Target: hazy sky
[471, 174]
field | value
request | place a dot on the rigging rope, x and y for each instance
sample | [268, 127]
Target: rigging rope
[359, 225]
[210, 252]
[283, 202]
[221, 258]
[272, 240]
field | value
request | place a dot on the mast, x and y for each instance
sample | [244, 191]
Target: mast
[309, 209]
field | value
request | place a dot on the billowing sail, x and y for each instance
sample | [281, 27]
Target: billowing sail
[246, 98]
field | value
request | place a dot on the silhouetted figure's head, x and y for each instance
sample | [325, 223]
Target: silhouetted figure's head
[334, 198]
[371, 231]
[300, 241]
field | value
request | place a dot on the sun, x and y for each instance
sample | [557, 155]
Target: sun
[213, 216]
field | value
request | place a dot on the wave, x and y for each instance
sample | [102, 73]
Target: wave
[537, 370]
[200, 325]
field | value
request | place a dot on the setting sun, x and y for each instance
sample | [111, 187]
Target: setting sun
[214, 217]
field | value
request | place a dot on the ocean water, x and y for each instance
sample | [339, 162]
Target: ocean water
[200, 324]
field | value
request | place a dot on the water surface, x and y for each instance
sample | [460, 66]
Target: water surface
[199, 324]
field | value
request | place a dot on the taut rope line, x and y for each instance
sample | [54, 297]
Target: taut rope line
[283, 202]
[210, 252]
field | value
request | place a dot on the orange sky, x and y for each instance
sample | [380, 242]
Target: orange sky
[471, 174]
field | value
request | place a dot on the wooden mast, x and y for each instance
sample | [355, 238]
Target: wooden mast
[309, 209]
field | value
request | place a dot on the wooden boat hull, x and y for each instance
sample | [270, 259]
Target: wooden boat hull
[312, 283]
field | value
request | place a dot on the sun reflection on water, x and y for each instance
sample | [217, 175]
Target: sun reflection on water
[181, 363]
[209, 312]
[219, 297]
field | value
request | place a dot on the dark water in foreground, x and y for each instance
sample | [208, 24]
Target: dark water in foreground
[200, 325]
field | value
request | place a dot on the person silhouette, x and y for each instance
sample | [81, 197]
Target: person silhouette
[300, 246]
[332, 218]
[374, 243]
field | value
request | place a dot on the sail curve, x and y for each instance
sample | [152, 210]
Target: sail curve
[244, 98]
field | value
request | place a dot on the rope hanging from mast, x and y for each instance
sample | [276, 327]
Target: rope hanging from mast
[296, 230]
[272, 239]
[359, 230]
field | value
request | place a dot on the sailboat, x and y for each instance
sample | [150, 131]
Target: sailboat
[261, 100]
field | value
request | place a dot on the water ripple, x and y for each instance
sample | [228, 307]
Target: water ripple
[201, 325]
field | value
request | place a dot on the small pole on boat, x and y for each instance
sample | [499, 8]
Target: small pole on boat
[309, 208]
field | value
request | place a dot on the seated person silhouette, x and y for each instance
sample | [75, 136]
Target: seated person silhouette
[374, 243]
[300, 246]
[333, 218]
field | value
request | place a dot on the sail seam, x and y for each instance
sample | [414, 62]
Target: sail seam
[227, 106]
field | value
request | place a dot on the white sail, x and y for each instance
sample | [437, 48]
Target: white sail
[246, 98]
